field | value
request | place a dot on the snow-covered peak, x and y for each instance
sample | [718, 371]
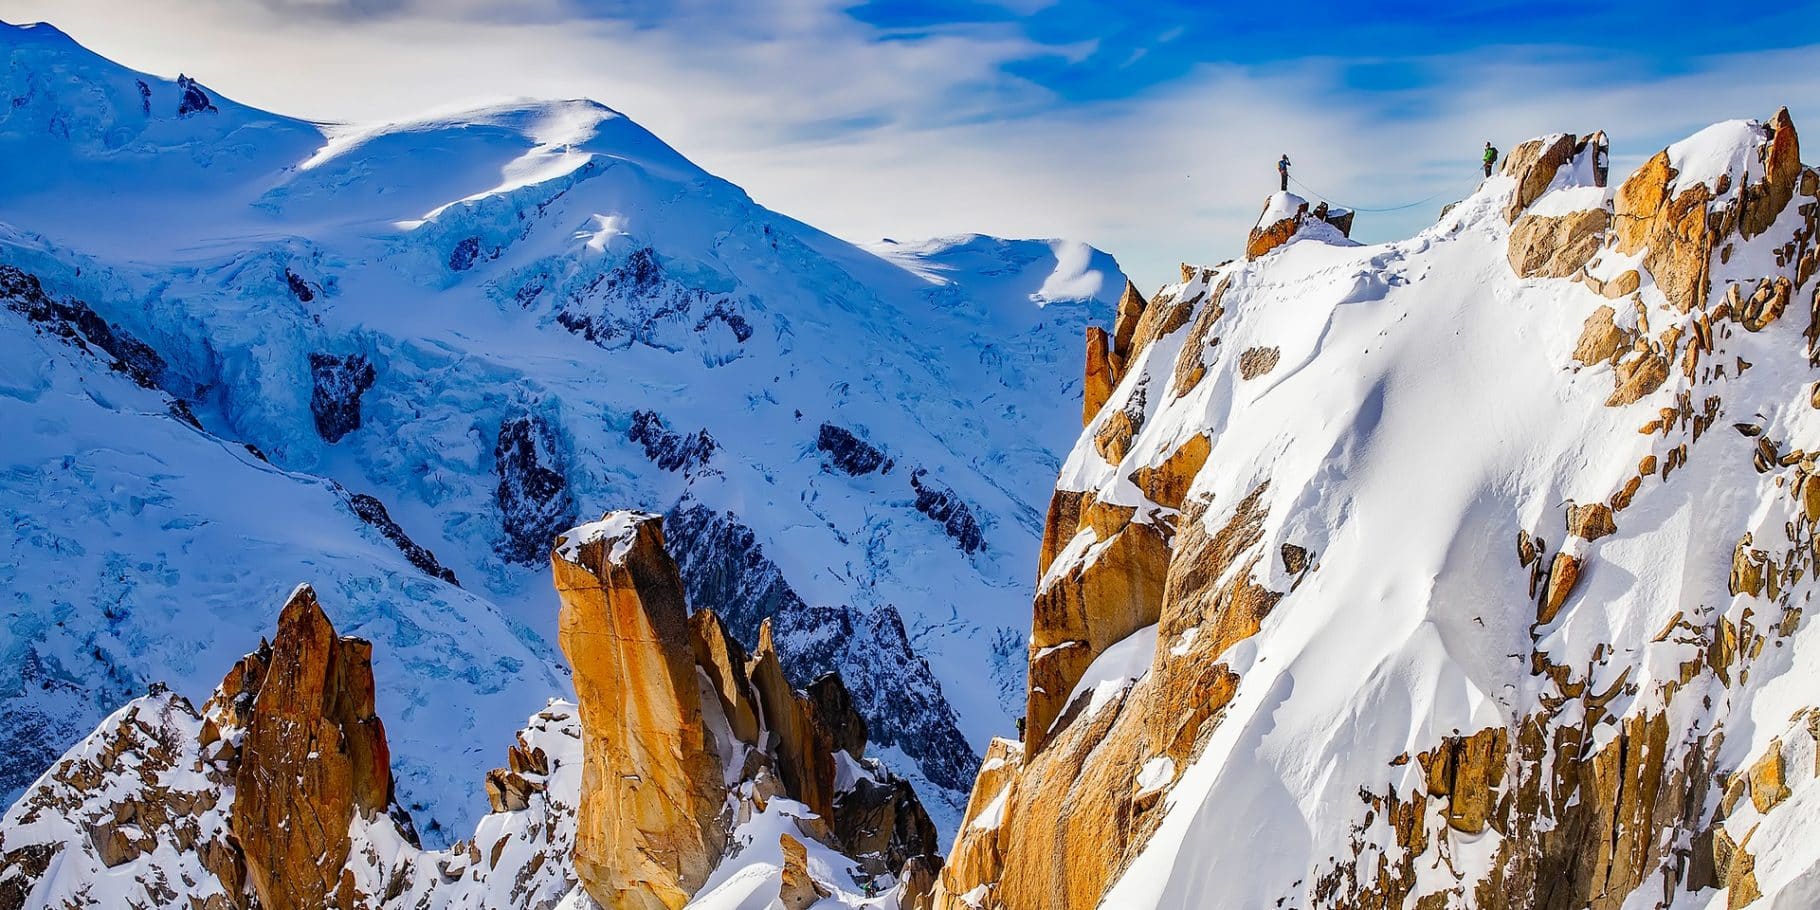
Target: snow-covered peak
[1038, 271]
[1724, 152]
[1279, 206]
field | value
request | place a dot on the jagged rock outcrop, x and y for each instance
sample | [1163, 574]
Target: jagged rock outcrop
[1100, 378]
[725, 571]
[309, 754]
[533, 495]
[659, 746]
[650, 826]
[373, 512]
[1533, 165]
[805, 748]
[850, 454]
[1286, 214]
[902, 701]
[335, 388]
[667, 448]
[946, 508]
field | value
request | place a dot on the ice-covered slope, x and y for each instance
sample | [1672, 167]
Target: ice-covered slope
[1478, 567]
[483, 329]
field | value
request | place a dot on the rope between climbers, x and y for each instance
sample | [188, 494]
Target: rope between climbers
[1352, 208]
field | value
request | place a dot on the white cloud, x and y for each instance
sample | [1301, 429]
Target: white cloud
[868, 134]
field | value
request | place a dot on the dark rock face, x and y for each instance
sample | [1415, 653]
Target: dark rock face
[462, 257]
[639, 302]
[145, 97]
[337, 384]
[193, 100]
[373, 512]
[901, 703]
[299, 288]
[849, 453]
[534, 499]
[945, 506]
[725, 570]
[671, 450]
[78, 325]
[835, 705]
[38, 732]
[881, 824]
[724, 312]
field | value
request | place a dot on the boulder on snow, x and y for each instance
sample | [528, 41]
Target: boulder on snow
[1556, 246]
[796, 890]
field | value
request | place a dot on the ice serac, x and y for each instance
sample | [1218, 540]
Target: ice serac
[1327, 680]
[311, 755]
[650, 827]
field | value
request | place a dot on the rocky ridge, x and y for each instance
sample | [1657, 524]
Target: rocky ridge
[683, 767]
[1249, 628]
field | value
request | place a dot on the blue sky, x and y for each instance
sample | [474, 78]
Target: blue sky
[1146, 129]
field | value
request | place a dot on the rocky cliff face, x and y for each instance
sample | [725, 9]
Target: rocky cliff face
[650, 828]
[1466, 571]
[687, 774]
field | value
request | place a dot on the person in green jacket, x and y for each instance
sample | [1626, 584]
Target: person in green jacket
[1491, 158]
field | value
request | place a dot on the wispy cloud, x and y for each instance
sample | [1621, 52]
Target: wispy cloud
[1148, 133]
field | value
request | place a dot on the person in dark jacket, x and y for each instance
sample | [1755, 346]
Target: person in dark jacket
[1283, 172]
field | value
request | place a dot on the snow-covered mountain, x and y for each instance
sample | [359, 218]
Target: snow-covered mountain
[1469, 570]
[243, 351]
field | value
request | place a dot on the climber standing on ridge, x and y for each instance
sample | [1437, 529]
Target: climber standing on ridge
[1491, 158]
[1283, 172]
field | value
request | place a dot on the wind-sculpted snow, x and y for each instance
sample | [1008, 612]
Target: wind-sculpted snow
[492, 300]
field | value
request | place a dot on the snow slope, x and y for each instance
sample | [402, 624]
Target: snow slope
[487, 328]
[1424, 408]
